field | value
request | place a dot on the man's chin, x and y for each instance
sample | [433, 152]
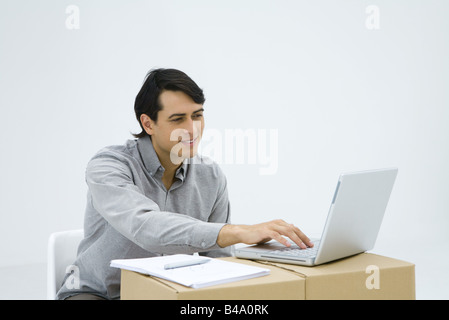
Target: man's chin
[183, 154]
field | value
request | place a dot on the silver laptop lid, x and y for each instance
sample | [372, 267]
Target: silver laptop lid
[356, 213]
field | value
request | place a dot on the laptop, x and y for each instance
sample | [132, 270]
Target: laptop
[352, 224]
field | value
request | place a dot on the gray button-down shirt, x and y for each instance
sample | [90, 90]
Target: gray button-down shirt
[130, 214]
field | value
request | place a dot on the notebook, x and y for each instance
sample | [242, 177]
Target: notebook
[214, 272]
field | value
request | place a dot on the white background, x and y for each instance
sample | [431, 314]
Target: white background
[342, 97]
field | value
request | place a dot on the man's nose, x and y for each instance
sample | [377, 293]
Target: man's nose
[192, 127]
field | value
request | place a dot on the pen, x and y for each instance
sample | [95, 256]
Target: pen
[182, 264]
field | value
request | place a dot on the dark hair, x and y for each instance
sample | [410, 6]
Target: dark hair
[147, 100]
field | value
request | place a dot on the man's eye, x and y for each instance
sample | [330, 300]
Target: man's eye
[197, 115]
[177, 120]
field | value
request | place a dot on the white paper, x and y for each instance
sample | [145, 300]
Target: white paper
[214, 272]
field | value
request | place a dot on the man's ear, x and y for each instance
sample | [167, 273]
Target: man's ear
[147, 123]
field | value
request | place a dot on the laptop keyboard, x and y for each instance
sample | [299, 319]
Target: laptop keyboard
[295, 251]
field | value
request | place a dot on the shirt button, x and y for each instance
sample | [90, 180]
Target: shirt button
[203, 245]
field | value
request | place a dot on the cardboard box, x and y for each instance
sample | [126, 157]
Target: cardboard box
[364, 276]
[279, 284]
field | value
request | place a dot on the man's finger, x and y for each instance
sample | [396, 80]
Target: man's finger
[297, 236]
[279, 238]
[303, 237]
[297, 240]
[288, 230]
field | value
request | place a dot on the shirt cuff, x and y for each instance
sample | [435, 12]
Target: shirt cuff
[205, 236]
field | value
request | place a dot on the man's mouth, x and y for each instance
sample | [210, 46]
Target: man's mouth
[189, 142]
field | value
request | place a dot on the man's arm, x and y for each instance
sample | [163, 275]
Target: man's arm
[221, 212]
[138, 218]
[115, 196]
[263, 232]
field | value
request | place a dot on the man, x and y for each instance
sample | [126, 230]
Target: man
[155, 195]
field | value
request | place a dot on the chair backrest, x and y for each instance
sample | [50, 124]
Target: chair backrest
[61, 253]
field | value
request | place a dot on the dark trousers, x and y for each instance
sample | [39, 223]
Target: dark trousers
[85, 296]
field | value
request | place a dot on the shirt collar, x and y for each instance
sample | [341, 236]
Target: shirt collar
[151, 160]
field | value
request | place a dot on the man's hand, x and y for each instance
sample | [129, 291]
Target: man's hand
[263, 232]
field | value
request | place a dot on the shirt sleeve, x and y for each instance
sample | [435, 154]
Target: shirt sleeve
[221, 212]
[138, 218]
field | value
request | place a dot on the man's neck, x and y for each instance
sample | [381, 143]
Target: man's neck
[169, 167]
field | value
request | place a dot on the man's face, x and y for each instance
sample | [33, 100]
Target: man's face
[178, 129]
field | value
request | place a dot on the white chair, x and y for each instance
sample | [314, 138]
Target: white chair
[61, 253]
